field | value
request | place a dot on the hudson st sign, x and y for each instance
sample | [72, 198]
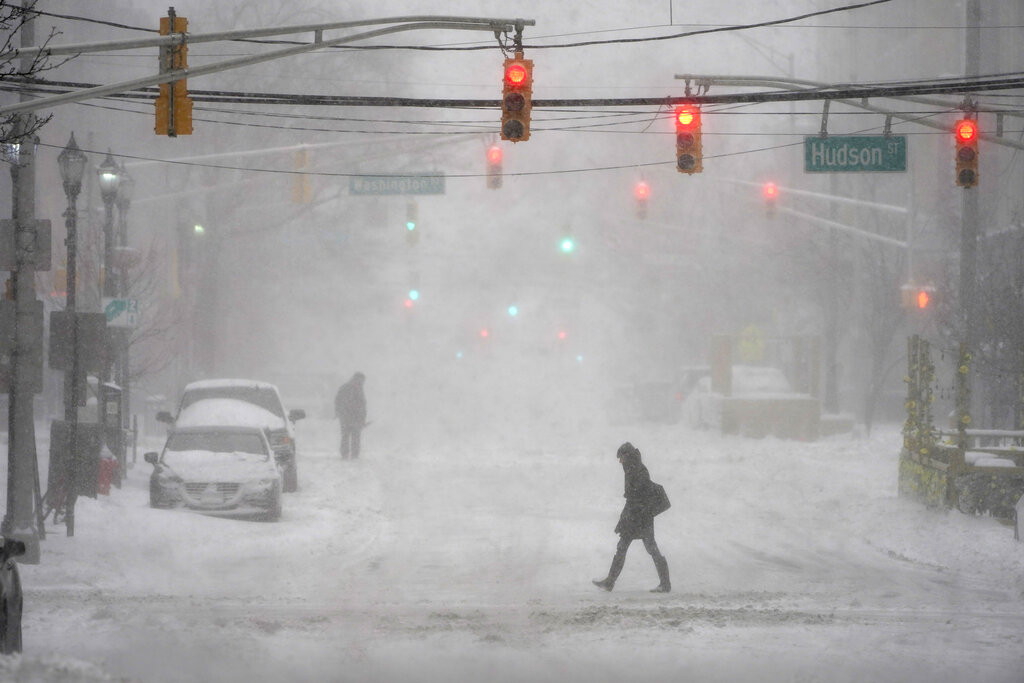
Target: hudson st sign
[855, 154]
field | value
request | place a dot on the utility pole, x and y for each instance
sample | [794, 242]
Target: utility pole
[969, 204]
[20, 521]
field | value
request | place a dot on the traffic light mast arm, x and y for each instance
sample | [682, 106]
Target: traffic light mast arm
[416, 24]
[829, 197]
[842, 227]
[500, 25]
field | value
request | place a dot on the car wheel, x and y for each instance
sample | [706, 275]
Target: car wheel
[10, 617]
[274, 514]
[291, 477]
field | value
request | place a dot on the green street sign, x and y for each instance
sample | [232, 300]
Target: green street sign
[855, 154]
[428, 183]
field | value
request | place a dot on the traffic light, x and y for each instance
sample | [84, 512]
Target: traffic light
[770, 192]
[965, 132]
[173, 105]
[567, 246]
[516, 98]
[494, 167]
[918, 297]
[412, 234]
[689, 157]
[642, 192]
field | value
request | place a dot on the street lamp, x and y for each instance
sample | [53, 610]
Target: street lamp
[125, 192]
[110, 179]
[72, 167]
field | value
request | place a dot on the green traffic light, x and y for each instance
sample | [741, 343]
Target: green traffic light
[567, 245]
[410, 226]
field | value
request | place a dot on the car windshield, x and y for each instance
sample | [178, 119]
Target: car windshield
[264, 397]
[217, 442]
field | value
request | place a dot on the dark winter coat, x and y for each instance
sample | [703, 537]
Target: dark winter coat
[636, 514]
[350, 403]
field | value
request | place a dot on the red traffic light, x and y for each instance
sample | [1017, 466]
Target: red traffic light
[687, 118]
[770, 190]
[516, 75]
[642, 191]
[494, 155]
[966, 130]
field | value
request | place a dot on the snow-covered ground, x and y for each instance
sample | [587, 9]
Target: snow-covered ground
[438, 557]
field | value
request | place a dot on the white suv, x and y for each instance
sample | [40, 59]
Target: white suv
[243, 402]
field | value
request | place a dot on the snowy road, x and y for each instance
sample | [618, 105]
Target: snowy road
[465, 560]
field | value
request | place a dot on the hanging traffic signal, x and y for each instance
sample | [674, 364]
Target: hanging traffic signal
[173, 105]
[516, 98]
[494, 167]
[965, 132]
[642, 192]
[412, 235]
[689, 156]
[770, 192]
[918, 297]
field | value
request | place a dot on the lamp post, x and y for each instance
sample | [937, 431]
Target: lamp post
[110, 178]
[72, 167]
[125, 190]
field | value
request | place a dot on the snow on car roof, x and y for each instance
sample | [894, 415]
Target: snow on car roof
[226, 411]
[217, 383]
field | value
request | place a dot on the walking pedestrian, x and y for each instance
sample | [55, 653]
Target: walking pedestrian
[644, 500]
[350, 409]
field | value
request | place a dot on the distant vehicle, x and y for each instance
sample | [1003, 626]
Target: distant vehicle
[11, 602]
[217, 470]
[243, 402]
[760, 401]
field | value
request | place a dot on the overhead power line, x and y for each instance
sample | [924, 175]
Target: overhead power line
[611, 41]
[925, 87]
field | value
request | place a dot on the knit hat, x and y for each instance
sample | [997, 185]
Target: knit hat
[627, 449]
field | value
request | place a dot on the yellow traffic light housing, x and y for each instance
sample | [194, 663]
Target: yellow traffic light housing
[689, 151]
[965, 132]
[173, 105]
[516, 100]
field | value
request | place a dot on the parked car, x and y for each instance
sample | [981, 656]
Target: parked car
[243, 402]
[11, 602]
[217, 469]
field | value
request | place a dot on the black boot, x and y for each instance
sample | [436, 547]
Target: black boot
[606, 584]
[662, 565]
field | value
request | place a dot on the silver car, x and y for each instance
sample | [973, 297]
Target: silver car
[221, 470]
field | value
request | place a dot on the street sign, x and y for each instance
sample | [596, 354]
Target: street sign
[427, 183]
[855, 154]
[121, 312]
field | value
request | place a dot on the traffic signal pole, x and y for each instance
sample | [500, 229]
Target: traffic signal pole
[20, 521]
[969, 202]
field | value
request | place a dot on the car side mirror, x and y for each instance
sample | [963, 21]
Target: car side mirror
[296, 414]
[12, 548]
[151, 457]
[164, 416]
